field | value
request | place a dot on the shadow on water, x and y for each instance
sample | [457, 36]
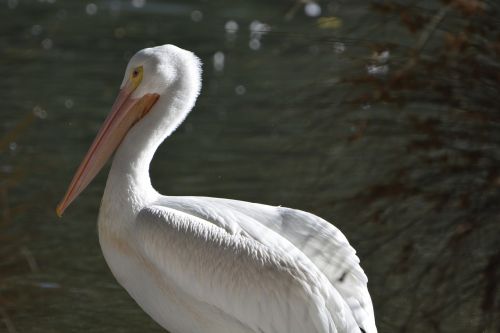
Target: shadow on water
[380, 117]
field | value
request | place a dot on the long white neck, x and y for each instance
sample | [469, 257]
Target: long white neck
[129, 184]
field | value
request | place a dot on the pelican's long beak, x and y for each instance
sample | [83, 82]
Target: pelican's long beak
[126, 111]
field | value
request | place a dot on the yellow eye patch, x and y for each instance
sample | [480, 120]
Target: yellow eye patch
[136, 76]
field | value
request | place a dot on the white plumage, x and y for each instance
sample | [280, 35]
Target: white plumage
[208, 265]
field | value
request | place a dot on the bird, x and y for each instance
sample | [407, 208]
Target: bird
[203, 264]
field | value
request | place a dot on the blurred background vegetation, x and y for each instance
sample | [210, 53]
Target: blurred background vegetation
[380, 116]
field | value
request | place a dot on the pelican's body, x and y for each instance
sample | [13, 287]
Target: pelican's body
[208, 265]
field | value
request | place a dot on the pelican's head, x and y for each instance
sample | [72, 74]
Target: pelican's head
[155, 77]
[160, 70]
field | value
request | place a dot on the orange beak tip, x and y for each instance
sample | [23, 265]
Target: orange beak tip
[59, 211]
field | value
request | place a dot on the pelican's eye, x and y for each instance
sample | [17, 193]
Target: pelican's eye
[136, 75]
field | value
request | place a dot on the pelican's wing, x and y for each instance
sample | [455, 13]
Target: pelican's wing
[264, 287]
[318, 240]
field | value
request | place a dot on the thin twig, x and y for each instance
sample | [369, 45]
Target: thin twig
[431, 27]
[426, 35]
[30, 258]
[7, 321]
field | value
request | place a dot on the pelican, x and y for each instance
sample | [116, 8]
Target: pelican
[210, 265]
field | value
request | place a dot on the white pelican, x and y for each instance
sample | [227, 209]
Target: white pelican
[209, 265]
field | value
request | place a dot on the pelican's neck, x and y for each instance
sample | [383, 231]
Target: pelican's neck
[129, 184]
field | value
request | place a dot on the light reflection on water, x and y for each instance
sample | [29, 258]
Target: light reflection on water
[256, 134]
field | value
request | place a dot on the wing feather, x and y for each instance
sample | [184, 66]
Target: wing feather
[269, 289]
[320, 241]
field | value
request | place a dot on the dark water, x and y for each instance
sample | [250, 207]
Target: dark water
[270, 126]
